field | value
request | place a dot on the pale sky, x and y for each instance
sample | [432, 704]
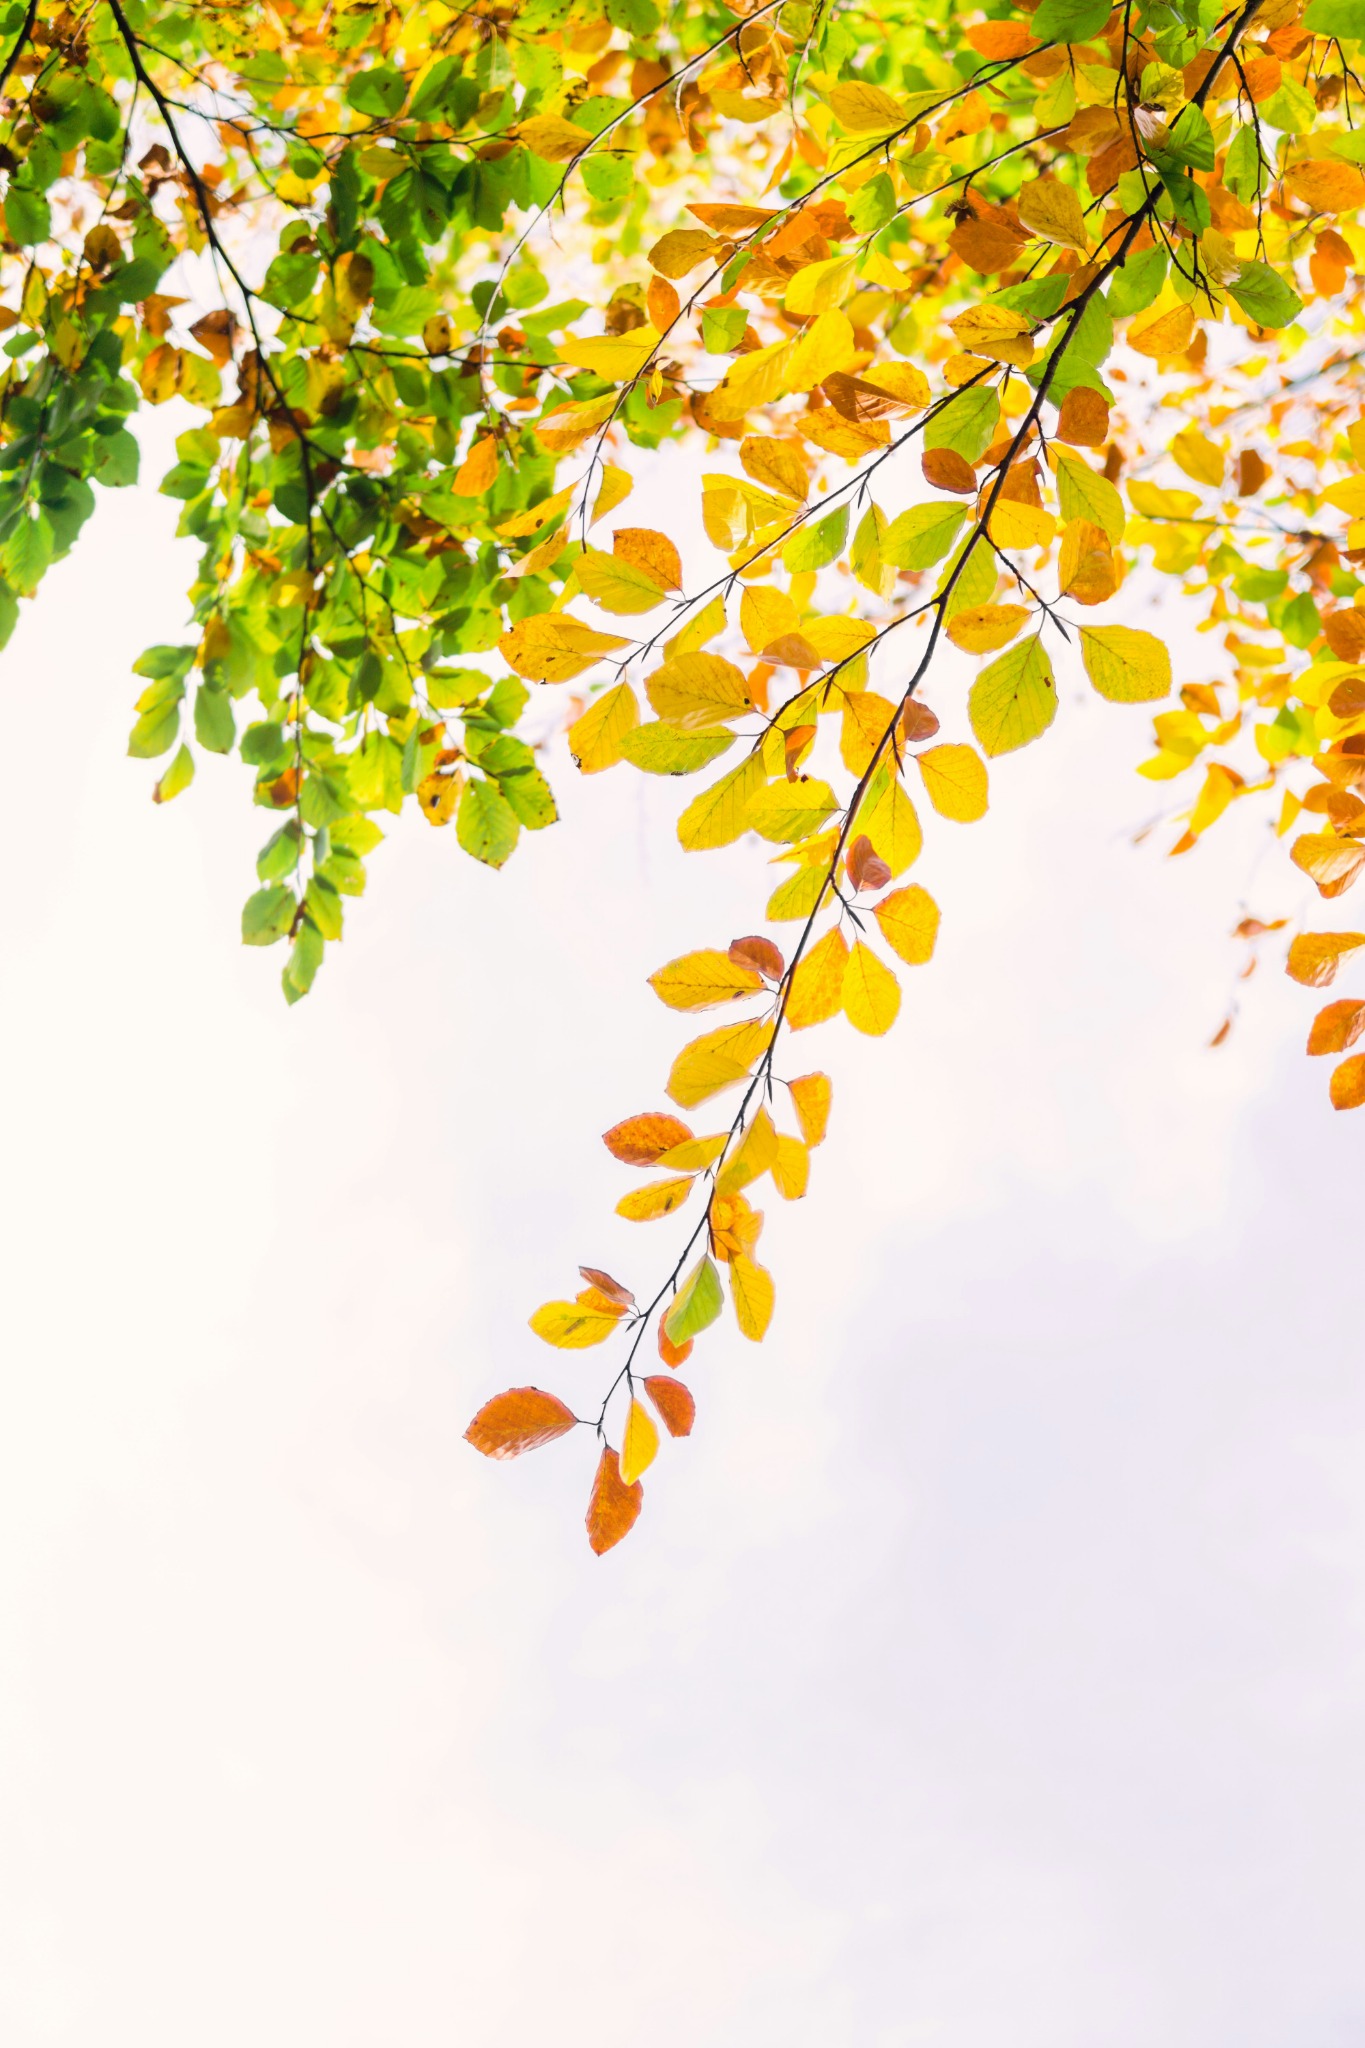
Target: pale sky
[988, 1671]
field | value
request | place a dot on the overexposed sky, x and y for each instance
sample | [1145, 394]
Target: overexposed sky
[990, 1666]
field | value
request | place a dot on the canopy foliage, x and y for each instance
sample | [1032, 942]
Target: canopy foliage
[991, 318]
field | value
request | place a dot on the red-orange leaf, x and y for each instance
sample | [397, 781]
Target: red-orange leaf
[520, 1420]
[640, 1140]
[671, 1353]
[613, 1507]
[677, 1409]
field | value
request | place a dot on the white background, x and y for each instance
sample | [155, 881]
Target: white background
[987, 1672]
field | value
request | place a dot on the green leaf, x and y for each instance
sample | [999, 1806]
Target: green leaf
[213, 722]
[722, 328]
[1069, 21]
[966, 424]
[1084, 494]
[178, 776]
[155, 732]
[1342, 18]
[267, 915]
[1014, 699]
[280, 854]
[818, 545]
[696, 1304]
[922, 536]
[1264, 296]
[660, 749]
[486, 825]
[530, 797]
[1126, 666]
[1138, 283]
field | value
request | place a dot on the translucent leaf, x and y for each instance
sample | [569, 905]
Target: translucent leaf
[716, 1061]
[613, 1507]
[643, 1140]
[640, 1443]
[872, 996]
[520, 1420]
[699, 981]
[1014, 699]
[811, 1096]
[677, 1409]
[909, 920]
[1125, 666]
[817, 984]
[696, 1304]
[572, 1326]
[956, 783]
[659, 1198]
[753, 1294]
[595, 738]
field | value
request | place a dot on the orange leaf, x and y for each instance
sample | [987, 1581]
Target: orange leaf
[677, 1409]
[604, 1284]
[613, 1507]
[640, 1140]
[1348, 1083]
[650, 551]
[1337, 1027]
[996, 39]
[1168, 335]
[1083, 421]
[673, 1354]
[1330, 862]
[478, 469]
[1315, 958]
[520, 1420]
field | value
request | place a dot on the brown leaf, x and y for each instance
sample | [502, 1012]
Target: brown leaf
[946, 470]
[613, 1507]
[1252, 472]
[918, 722]
[1083, 421]
[760, 954]
[604, 1284]
[986, 246]
[1345, 631]
[214, 334]
[1220, 1036]
[520, 1420]
[640, 1140]
[677, 1409]
[866, 868]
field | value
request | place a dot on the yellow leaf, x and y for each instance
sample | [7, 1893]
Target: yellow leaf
[811, 1096]
[766, 615]
[522, 524]
[570, 1326]
[553, 648]
[1198, 457]
[617, 357]
[753, 1294]
[1348, 496]
[720, 815]
[652, 552]
[779, 465]
[1125, 666]
[754, 379]
[839, 639]
[659, 1198]
[1327, 187]
[1053, 210]
[864, 107]
[478, 469]
[698, 981]
[569, 426]
[784, 811]
[616, 485]
[615, 584]
[956, 782]
[872, 995]
[695, 691]
[995, 332]
[753, 1156]
[821, 285]
[825, 347]
[909, 920]
[679, 251]
[716, 1061]
[1015, 525]
[1154, 503]
[817, 985]
[694, 1155]
[791, 1169]
[1168, 335]
[595, 738]
[984, 627]
[639, 1444]
[551, 137]
[893, 828]
[866, 721]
